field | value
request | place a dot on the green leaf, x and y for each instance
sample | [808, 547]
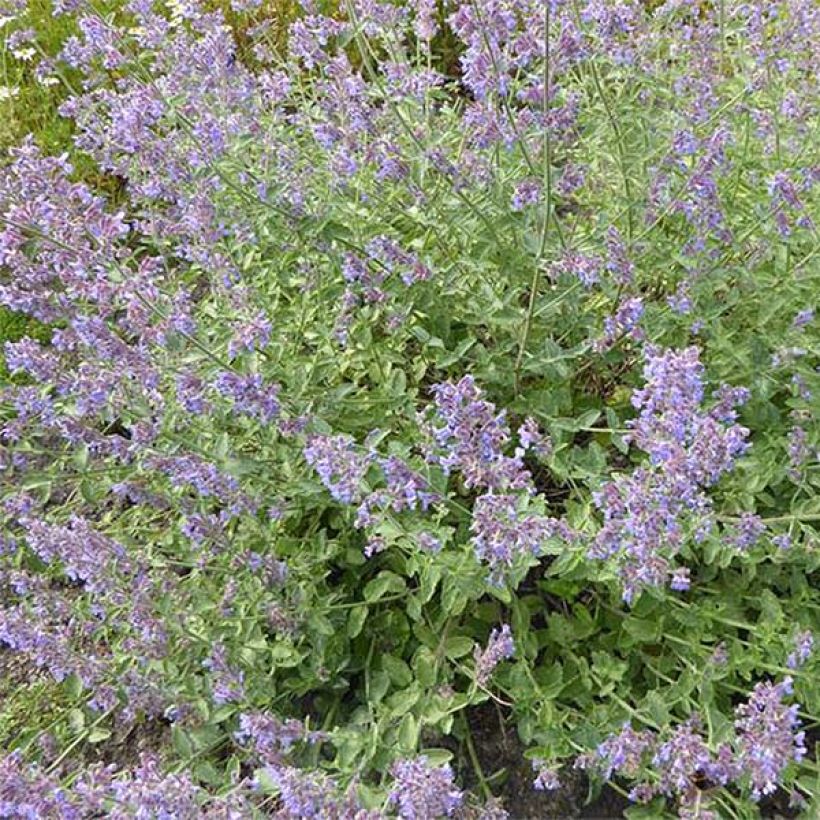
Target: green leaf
[424, 667]
[73, 686]
[398, 670]
[551, 680]
[644, 630]
[379, 684]
[386, 582]
[355, 620]
[437, 757]
[408, 732]
[457, 646]
[98, 734]
[399, 703]
[652, 811]
[181, 742]
[285, 655]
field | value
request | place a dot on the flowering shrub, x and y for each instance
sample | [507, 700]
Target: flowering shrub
[460, 353]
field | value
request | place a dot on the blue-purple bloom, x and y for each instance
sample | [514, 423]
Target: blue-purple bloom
[340, 465]
[647, 513]
[527, 192]
[249, 394]
[546, 778]
[227, 682]
[500, 646]
[423, 791]
[769, 737]
[803, 646]
[502, 533]
[469, 435]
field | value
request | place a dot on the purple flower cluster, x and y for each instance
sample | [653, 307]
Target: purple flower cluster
[191, 471]
[767, 739]
[423, 791]
[684, 757]
[340, 465]
[270, 737]
[586, 268]
[768, 735]
[468, 435]
[546, 778]
[624, 752]
[27, 791]
[647, 514]
[227, 682]
[788, 208]
[405, 489]
[527, 192]
[803, 646]
[532, 438]
[250, 396]
[367, 277]
[624, 323]
[500, 646]
[502, 532]
[798, 450]
[746, 532]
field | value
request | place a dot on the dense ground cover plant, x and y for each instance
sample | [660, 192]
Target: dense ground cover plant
[386, 387]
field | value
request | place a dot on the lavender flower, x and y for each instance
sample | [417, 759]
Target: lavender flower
[720, 655]
[252, 335]
[227, 682]
[747, 532]
[624, 752]
[768, 736]
[499, 647]
[429, 543]
[425, 24]
[531, 438]
[623, 323]
[469, 436]
[546, 778]
[803, 645]
[583, 266]
[680, 580]
[270, 737]
[340, 467]
[422, 791]
[684, 757]
[527, 192]
[782, 541]
[250, 396]
[618, 262]
[690, 448]
[803, 317]
[799, 451]
[405, 490]
[501, 533]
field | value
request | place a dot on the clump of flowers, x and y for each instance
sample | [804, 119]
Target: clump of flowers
[767, 739]
[500, 646]
[647, 514]
[340, 340]
[768, 735]
[422, 791]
